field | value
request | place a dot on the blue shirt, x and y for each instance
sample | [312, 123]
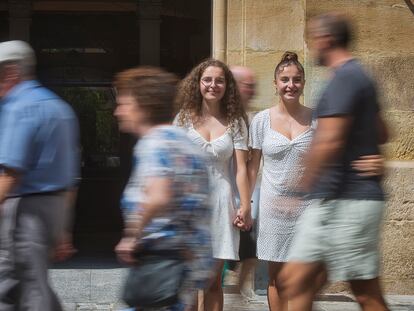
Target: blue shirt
[38, 139]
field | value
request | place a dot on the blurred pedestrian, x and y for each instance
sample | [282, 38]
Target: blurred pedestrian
[39, 166]
[282, 135]
[211, 112]
[246, 83]
[165, 202]
[338, 234]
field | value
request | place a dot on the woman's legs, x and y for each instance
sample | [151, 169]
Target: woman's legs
[246, 279]
[213, 296]
[276, 302]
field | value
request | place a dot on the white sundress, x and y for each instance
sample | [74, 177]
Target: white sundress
[219, 153]
[282, 168]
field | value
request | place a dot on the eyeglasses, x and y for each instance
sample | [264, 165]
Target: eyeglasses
[208, 81]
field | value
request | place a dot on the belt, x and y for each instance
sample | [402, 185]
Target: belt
[54, 192]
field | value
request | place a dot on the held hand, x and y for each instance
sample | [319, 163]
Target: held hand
[370, 165]
[125, 250]
[64, 248]
[237, 222]
[243, 219]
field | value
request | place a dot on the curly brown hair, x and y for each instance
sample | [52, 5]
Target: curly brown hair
[189, 99]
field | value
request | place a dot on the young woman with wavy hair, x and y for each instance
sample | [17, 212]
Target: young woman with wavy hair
[211, 112]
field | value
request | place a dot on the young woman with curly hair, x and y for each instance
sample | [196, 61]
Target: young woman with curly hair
[211, 112]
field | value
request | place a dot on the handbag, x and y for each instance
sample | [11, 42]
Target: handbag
[155, 281]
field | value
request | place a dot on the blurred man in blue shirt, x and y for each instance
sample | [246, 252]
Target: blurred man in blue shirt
[39, 166]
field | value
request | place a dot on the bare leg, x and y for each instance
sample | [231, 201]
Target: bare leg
[276, 302]
[246, 279]
[369, 295]
[200, 301]
[213, 296]
[300, 282]
[194, 307]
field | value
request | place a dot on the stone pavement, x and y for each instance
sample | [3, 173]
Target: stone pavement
[234, 302]
[86, 287]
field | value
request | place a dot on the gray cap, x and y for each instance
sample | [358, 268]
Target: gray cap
[17, 50]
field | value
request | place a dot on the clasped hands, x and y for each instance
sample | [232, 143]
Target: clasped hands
[243, 220]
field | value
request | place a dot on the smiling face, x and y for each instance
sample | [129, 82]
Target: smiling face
[213, 84]
[290, 83]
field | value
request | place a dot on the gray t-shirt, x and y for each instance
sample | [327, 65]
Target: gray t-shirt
[351, 92]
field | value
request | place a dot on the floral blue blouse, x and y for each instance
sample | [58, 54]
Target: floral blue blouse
[167, 152]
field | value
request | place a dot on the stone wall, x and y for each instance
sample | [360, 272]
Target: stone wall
[384, 43]
[398, 231]
[256, 33]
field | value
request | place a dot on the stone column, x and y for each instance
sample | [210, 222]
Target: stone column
[149, 17]
[219, 40]
[20, 12]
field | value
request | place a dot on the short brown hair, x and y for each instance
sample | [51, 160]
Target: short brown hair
[153, 89]
[336, 25]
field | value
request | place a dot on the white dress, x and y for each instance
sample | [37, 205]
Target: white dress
[282, 168]
[219, 154]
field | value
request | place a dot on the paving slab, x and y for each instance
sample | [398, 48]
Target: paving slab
[106, 284]
[71, 285]
[234, 302]
[98, 290]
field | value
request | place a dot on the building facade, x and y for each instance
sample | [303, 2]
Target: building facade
[256, 34]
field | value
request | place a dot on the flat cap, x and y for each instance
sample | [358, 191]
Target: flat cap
[17, 50]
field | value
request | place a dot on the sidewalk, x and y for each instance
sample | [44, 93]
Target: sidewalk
[82, 286]
[396, 303]
[234, 302]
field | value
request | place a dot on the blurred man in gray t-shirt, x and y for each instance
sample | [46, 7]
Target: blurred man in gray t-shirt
[337, 237]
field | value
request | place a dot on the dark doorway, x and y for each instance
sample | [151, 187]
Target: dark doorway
[185, 34]
[4, 26]
[78, 55]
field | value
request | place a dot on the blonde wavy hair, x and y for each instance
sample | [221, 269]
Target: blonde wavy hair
[189, 99]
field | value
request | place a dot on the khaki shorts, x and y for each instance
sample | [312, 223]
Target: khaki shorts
[344, 234]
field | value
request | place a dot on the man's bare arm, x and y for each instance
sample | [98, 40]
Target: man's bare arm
[158, 194]
[374, 164]
[64, 248]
